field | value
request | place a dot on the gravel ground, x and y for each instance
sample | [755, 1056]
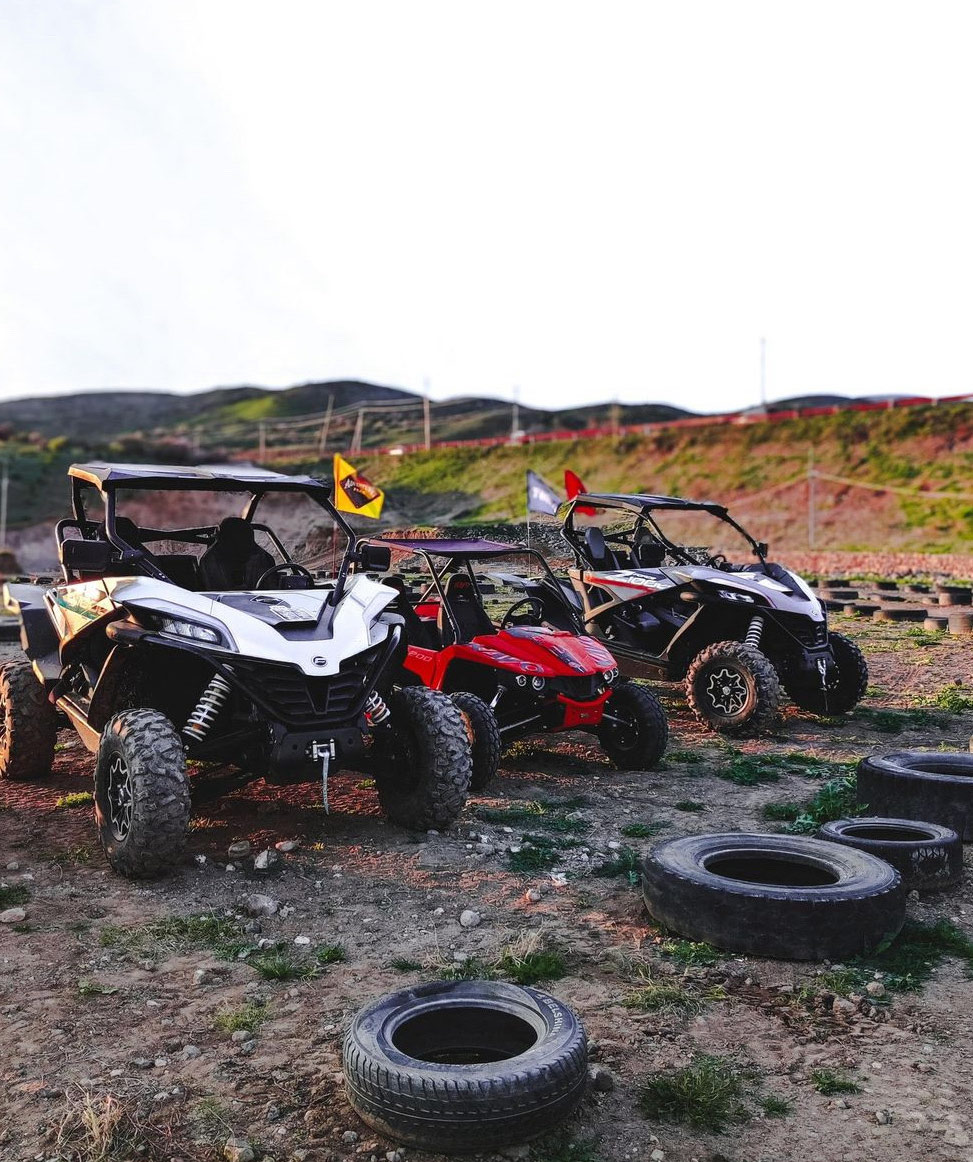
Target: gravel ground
[93, 1006]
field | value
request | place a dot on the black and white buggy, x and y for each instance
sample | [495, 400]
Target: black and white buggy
[164, 644]
[654, 578]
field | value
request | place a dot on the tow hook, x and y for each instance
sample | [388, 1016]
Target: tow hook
[323, 752]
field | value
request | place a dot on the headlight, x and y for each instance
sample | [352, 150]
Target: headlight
[610, 676]
[521, 680]
[189, 629]
[537, 683]
[734, 595]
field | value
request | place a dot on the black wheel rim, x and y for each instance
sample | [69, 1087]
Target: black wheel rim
[119, 795]
[726, 690]
[624, 727]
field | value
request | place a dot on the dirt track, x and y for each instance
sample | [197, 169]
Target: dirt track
[386, 895]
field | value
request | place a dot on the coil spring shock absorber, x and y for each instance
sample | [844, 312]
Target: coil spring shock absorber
[211, 702]
[754, 631]
[376, 711]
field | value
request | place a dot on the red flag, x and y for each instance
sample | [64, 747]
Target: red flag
[574, 486]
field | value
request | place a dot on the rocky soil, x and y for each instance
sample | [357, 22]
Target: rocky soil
[117, 998]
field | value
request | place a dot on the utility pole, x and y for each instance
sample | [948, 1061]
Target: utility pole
[262, 453]
[763, 374]
[325, 427]
[515, 415]
[4, 489]
[357, 435]
[811, 498]
[426, 419]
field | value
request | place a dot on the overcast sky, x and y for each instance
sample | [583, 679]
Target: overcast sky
[588, 200]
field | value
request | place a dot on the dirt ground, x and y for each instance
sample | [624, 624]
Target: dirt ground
[86, 1009]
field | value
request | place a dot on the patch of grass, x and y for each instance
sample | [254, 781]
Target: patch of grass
[326, 954]
[624, 862]
[532, 965]
[538, 852]
[708, 1094]
[950, 698]
[689, 953]
[653, 996]
[905, 963]
[748, 770]
[79, 854]
[643, 830]
[249, 1016]
[14, 896]
[91, 988]
[365, 785]
[550, 815]
[775, 1106]
[925, 637]
[108, 1128]
[403, 964]
[75, 799]
[276, 964]
[689, 805]
[211, 1119]
[895, 721]
[837, 799]
[685, 756]
[781, 812]
[221, 934]
[471, 969]
[563, 1148]
[831, 1082]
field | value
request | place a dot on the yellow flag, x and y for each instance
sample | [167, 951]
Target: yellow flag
[353, 493]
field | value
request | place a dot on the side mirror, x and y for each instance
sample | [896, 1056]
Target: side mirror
[374, 558]
[86, 556]
[763, 548]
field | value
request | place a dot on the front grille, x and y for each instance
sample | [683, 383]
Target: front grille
[808, 633]
[581, 689]
[297, 700]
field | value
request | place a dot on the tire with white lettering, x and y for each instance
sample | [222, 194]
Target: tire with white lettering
[465, 1066]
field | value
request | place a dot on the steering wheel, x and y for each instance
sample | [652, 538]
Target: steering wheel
[290, 568]
[536, 608]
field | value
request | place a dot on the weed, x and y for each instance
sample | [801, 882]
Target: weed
[689, 953]
[643, 830]
[106, 1128]
[365, 785]
[91, 988]
[538, 852]
[781, 812]
[75, 799]
[13, 896]
[950, 698]
[403, 964]
[326, 954]
[249, 1016]
[79, 854]
[684, 756]
[895, 721]
[926, 637]
[277, 964]
[222, 934]
[625, 862]
[470, 969]
[905, 963]
[550, 815]
[775, 1106]
[748, 770]
[211, 1119]
[689, 805]
[668, 997]
[708, 1093]
[832, 1081]
[562, 1148]
[837, 799]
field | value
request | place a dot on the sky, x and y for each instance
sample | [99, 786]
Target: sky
[577, 201]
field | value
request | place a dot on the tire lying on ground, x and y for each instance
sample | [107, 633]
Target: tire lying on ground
[933, 786]
[928, 856]
[457, 1066]
[788, 897]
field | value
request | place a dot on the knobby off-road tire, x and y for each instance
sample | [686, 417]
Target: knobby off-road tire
[28, 723]
[141, 793]
[788, 897]
[933, 786]
[425, 760]
[928, 856]
[847, 691]
[485, 740]
[638, 740]
[734, 688]
[465, 1065]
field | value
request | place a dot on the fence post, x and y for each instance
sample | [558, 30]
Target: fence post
[811, 498]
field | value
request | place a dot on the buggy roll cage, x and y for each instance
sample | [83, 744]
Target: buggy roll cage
[257, 482]
[642, 506]
[459, 556]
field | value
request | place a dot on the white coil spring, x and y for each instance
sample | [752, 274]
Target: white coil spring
[754, 631]
[376, 710]
[211, 702]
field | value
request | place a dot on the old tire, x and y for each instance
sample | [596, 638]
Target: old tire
[733, 688]
[788, 897]
[141, 793]
[933, 786]
[28, 723]
[848, 688]
[927, 856]
[485, 740]
[465, 1066]
[637, 738]
[426, 760]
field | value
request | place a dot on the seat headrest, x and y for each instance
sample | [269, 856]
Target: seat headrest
[594, 540]
[460, 586]
[235, 535]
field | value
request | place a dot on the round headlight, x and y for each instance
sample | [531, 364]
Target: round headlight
[521, 680]
[537, 683]
[610, 676]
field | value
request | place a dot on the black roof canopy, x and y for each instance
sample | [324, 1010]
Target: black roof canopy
[642, 502]
[202, 477]
[448, 547]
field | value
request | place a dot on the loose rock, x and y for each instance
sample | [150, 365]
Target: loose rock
[469, 918]
[239, 849]
[260, 905]
[238, 1150]
[12, 916]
